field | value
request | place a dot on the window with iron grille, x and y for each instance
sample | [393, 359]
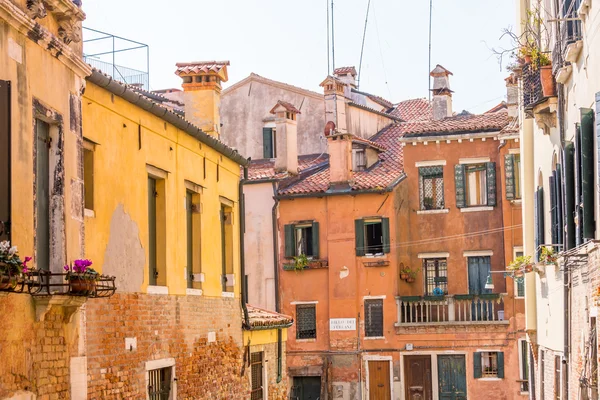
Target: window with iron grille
[306, 321]
[374, 318]
[159, 383]
[256, 367]
[431, 187]
[436, 276]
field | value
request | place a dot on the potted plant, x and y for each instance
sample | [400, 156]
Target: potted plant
[82, 279]
[548, 256]
[11, 266]
[301, 262]
[412, 276]
[519, 265]
[404, 272]
[428, 203]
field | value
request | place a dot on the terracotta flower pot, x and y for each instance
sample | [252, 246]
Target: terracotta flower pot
[528, 268]
[7, 282]
[410, 280]
[81, 286]
[403, 276]
[548, 83]
[527, 58]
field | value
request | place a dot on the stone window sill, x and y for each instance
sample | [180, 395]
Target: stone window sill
[441, 211]
[227, 294]
[306, 340]
[89, 213]
[374, 337]
[489, 379]
[153, 289]
[476, 209]
[193, 292]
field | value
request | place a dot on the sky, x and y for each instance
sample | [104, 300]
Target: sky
[287, 41]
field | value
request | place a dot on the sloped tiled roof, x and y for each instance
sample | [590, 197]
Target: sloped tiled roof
[383, 175]
[497, 107]
[462, 123]
[264, 169]
[377, 99]
[359, 140]
[286, 105]
[413, 110]
[261, 318]
[345, 70]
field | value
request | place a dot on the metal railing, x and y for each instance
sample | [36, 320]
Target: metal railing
[532, 86]
[46, 283]
[466, 308]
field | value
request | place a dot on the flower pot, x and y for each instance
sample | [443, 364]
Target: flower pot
[403, 276]
[519, 273]
[8, 282]
[528, 268]
[548, 83]
[81, 286]
[410, 280]
[527, 58]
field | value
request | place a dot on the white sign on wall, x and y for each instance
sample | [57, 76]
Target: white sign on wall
[342, 324]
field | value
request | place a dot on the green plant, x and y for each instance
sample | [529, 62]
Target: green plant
[519, 262]
[548, 256]
[300, 262]
[428, 203]
[10, 263]
[81, 270]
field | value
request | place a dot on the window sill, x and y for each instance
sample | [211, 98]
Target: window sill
[476, 209]
[524, 393]
[440, 211]
[89, 213]
[228, 294]
[374, 337]
[306, 340]
[193, 292]
[153, 289]
[490, 379]
[519, 297]
[517, 202]
[372, 256]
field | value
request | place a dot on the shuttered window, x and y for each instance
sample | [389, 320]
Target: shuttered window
[306, 321]
[88, 174]
[587, 174]
[302, 239]
[578, 188]
[475, 184]
[5, 160]
[269, 143]
[374, 318]
[488, 364]
[256, 369]
[539, 220]
[512, 176]
[372, 236]
[569, 195]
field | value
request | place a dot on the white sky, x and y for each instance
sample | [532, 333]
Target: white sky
[286, 41]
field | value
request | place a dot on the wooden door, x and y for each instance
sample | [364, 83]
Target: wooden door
[417, 377]
[479, 269]
[379, 380]
[452, 378]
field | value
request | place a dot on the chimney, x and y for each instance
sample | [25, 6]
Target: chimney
[335, 103]
[346, 75]
[202, 93]
[512, 96]
[286, 137]
[339, 147]
[442, 95]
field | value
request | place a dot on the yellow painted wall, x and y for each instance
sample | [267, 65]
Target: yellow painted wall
[120, 183]
[264, 336]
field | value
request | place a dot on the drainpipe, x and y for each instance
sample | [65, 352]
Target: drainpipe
[276, 275]
[242, 256]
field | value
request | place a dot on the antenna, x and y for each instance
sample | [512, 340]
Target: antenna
[328, 63]
[362, 47]
[335, 114]
[428, 77]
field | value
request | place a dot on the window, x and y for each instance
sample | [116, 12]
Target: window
[359, 159]
[557, 371]
[256, 368]
[374, 318]
[524, 365]
[519, 281]
[302, 238]
[542, 375]
[372, 236]
[512, 171]
[431, 187]
[475, 184]
[193, 235]
[42, 198]
[269, 143]
[436, 275]
[538, 204]
[157, 227]
[227, 277]
[159, 383]
[488, 364]
[88, 174]
[306, 321]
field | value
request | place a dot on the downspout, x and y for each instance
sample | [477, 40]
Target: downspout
[276, 275]
[242, 256]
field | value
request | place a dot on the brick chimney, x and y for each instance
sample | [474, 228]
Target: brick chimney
[442, 95]
[512, 95]
[339, 147]
[346, 75]
[335, 102]
[202, 93]
[286, 133]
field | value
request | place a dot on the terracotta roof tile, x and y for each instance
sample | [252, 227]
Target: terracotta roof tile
[264, 169]
[413, 110]
[462, 123]
[498, 107]
[261, 318]
[286, 105]
[200, 67]
[359, 140]
[345, 70]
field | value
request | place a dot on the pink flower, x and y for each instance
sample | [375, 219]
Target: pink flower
[66, 268]
[25, 269]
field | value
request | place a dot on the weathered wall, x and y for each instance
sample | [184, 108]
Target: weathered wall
[176, 327]
[266, 341]
[258, 245]
[245, 106]
[364, 123]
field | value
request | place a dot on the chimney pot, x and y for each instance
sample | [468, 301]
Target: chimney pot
[286, 131]
[442, 95]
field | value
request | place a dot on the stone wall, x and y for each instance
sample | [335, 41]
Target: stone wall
[203, 336]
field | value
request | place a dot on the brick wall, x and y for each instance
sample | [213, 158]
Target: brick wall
[164, 326]
[276, 391]
[548, 373]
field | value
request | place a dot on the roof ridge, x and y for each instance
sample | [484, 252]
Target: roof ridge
[260, 78]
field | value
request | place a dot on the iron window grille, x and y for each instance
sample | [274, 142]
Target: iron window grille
[256, 367]
[159, 383]
[306, 321]
[374, 318]
[489, 365]
[436, 275]
[431, 187]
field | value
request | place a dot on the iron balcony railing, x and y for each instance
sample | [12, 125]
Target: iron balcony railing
[46, 283]
[455, 309]
[532, 86]
[568, 30]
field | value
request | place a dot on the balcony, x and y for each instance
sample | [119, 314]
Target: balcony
[458, 309]
[532, 87]
[46, 283]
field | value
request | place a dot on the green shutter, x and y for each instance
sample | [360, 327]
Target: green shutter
[553, 209]
[385, 229]
[315, 239]
[587, 172]
[477, 365]
[290, 243]
[569, 195]
[267, 142]
[491, 183]
[459, 184]
[359, 226]
[509, 178]
[500, 365]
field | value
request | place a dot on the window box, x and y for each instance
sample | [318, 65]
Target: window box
[410, 299]
[312, 264]
[380, 263]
